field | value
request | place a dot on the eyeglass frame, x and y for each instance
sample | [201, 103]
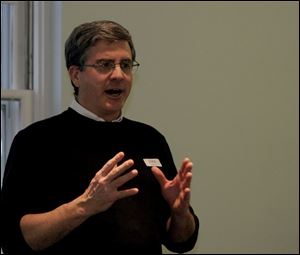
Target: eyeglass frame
[98, 66]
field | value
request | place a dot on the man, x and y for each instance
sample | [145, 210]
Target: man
[89, 180]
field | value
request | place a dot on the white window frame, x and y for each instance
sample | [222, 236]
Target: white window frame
[45, 75]
[25, 99]
[46, 58]
[18, 76]
[42, 97]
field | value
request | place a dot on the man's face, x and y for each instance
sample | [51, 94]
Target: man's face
[100, 92]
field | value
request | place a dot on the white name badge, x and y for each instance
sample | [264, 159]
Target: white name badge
[152, 162]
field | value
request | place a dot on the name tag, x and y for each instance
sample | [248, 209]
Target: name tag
[152, 162]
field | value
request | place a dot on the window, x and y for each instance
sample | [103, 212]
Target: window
[15, 72]
[30, 75]
[10, 110]
[15, 45]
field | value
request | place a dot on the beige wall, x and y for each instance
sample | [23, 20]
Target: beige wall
[220, 81]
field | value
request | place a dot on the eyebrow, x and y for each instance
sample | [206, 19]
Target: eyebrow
[112, 60]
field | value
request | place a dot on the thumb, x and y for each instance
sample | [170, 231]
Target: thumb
[160, 177]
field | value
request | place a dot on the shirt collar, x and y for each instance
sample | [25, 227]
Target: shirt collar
[85, 112]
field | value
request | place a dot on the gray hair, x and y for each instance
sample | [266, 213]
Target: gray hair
[84, 36]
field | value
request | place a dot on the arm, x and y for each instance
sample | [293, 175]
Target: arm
[43, 230]
[181, 224]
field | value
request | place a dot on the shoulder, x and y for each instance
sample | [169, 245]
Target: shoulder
[47, 125]
[141, 127]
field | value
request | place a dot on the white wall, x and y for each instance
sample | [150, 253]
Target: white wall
[220, 81]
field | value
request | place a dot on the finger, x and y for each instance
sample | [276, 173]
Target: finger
[187, 181]
[184, 200]
[183, 166]
[110, 164]
[187, 195]
[187, 167]
[125, 178]
[119, 170]
[127, 193]
[160, 177]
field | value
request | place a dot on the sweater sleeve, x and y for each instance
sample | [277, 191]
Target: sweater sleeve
[181, 247]
[170, 173]
[13, 200]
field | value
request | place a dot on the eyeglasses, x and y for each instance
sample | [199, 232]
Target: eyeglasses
[107, 66]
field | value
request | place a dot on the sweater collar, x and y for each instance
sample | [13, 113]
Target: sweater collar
[85, 112]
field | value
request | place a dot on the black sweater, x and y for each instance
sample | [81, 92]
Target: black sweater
[52, 162]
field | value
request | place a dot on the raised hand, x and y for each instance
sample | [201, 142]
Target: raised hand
[103, 191]
[177, 191]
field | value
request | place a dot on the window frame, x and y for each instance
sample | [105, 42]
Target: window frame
[40, 93]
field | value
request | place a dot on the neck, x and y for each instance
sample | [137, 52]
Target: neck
[91, 113]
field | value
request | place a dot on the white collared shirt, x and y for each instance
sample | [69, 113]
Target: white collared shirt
[85, 112]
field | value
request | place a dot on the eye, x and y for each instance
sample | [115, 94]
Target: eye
[106, 64]
[126, 65]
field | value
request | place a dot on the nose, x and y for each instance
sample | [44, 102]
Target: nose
[117, 73]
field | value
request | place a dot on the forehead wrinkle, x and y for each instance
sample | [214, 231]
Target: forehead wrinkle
[106, 50]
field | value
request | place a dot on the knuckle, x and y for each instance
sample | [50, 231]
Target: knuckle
[108, 164]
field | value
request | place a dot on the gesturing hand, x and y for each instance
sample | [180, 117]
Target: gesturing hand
[177, 191]
[103, 191]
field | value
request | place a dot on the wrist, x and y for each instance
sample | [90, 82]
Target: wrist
[78, 209]
[181, 225]
[180, 213]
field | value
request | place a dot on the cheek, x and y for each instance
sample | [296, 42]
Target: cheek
[129, 83]
[92, 84]
[128, 89]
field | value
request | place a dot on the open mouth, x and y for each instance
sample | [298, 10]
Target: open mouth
[114, 92]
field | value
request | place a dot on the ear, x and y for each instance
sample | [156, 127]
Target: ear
[74, 75]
